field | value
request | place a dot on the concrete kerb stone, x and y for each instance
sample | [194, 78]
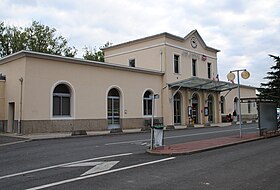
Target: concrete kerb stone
[48, 136]
[203, 149]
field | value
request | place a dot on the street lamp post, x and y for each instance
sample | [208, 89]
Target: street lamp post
[154, 97]
[245, 74]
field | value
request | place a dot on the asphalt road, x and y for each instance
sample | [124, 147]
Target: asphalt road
[73, 163]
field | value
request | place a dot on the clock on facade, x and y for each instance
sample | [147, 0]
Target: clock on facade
[193, 42]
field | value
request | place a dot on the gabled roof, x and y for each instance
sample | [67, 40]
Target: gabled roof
[197, 35]
[167, 35]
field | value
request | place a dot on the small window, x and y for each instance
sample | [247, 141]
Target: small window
[176, 64]
[209, 70]
[61, 100]
[194, 67]
[132, 62]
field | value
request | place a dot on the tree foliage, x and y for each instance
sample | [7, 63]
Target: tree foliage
[95, 55]
[37, 37]
[271, 89]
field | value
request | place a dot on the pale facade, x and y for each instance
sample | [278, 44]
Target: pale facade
[46, 93]
[88, 83]
[229, 103]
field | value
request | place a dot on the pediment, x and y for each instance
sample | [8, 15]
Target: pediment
[195, 40]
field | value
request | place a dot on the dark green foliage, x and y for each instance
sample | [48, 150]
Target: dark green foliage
[95, 55]
[271, 89]
[37, 37]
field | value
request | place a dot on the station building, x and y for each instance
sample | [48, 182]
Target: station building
[42, 93]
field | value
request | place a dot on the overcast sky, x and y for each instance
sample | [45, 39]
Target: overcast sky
[245, 31]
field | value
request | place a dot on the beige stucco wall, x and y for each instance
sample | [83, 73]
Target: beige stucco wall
[90, 85]
[185, 65]
[186, 44]
[147, 53]
[2, 99]
[245, 92]
[158, 54]
[13, 70]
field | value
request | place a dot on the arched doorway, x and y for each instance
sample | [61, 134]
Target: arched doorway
[222, 105]
[148, 103]
[113, 109]
[235, 105]
[211, 110]
[195, 108]
[177, 109]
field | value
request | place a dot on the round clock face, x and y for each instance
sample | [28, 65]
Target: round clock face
[193, 42]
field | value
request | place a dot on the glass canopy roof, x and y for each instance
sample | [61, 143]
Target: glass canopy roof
[203, 84]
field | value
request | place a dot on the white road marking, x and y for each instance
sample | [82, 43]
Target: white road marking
[61, 165]
[178, 136]
[11, 143]
[98, 174]
[98, 166]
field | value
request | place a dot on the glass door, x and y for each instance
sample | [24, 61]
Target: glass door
[177, 109]
[113, 109]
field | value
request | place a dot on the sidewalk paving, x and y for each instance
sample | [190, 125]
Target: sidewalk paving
[42, 136]
[203, 145]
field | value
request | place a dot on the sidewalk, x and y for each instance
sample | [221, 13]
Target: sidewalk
[42, 136]
[203, 145]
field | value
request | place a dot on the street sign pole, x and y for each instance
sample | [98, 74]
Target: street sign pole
[154, 97]
[152, 123]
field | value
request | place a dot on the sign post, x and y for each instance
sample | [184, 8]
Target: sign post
[154, 97]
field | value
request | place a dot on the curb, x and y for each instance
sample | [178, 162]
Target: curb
[28, 139]
[16, 142]
[204, 149]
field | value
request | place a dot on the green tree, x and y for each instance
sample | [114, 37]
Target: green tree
[37, 37]
[95, 55]
[271, 89]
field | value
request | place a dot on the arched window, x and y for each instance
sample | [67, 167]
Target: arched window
[177, 108]
[222, 104]
[195, 108]
[61, 100]
[147, 103]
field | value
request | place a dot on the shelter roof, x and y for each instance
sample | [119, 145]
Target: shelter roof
[203, 84]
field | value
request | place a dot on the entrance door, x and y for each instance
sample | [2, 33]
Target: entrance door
[11, 118]
[210, 109]
[195, 108]
[113, 109]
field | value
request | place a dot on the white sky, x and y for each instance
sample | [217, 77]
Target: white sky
[245, 31]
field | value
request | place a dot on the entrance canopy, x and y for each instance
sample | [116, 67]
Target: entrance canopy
[203, 84]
